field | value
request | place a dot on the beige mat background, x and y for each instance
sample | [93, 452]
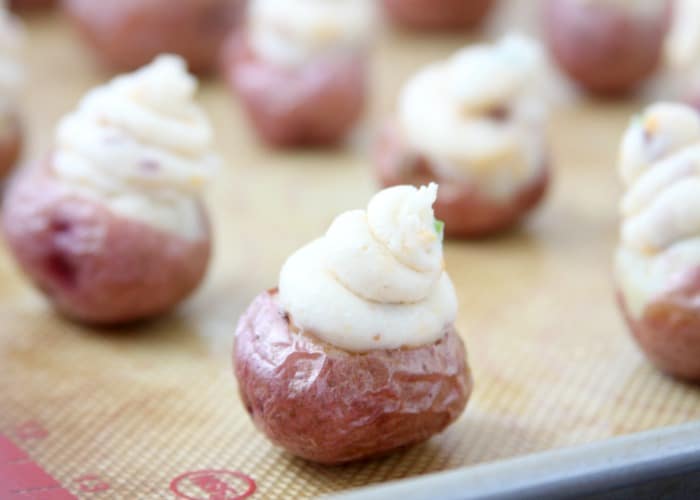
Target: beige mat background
[120, 414]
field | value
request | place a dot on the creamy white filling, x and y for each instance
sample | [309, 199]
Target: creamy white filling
[292, 32]
[376, 279]
[663, 130]
[660, 229]
[141, 145]
[450, 110]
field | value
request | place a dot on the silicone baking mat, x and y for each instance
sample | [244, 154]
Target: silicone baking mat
[152, 411]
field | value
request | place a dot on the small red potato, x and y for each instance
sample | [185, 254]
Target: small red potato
[437, 15]
[316, 104]
[10, 146]
[94, 265]
[668, 330]
[331, 406]
[465, 210]
[606, 49]
[127, 34]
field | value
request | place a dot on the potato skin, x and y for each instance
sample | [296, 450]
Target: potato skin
[314, 105]
[127, 34]
[331, 406]
[607, 51]
[437, 15]
[10, 147]
[95, 266]
[669, 329]
[467, 213]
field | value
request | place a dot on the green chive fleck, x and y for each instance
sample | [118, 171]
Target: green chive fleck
[439, 227]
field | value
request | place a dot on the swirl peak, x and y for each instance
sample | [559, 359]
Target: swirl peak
[376, 278]
[140, 143]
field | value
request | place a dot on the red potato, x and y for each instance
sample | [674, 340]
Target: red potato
[31, 4]
[313, 105]
[669, 328]
[127, 34]
[10, 147]
[94, 265]
[605, 49]
[465, 211]
[437, 15]
[331, 406]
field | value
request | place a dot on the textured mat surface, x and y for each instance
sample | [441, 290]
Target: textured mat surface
[152, 411]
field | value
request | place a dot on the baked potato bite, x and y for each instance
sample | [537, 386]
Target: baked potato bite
[356, 354]
[110, 225]
[658, 260]
[126, 34]
[437, 15]
[472, 124]
[301, 71]
[608, 47]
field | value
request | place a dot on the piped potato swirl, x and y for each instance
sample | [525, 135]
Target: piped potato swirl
[376, 280]
[475, 118]
[660, 230]
[141, 144]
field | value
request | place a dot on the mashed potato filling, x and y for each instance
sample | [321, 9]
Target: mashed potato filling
[474, 119]
[292, 32]
[142, 146]
[660, 230]
[376, 280]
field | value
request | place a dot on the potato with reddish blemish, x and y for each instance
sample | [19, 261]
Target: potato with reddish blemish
[472, 124]
[98, 266]
[437, 15]
[357, 355]
[127, 34]
[301, 73]
[657, 264]
[111, 226]
[607, 47]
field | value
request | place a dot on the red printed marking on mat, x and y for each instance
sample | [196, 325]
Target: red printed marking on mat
[92, 483]
[30, 430]
[213, 485]
[23, 479]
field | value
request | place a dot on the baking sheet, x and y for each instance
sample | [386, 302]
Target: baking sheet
[661, 463]
[151, 411]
